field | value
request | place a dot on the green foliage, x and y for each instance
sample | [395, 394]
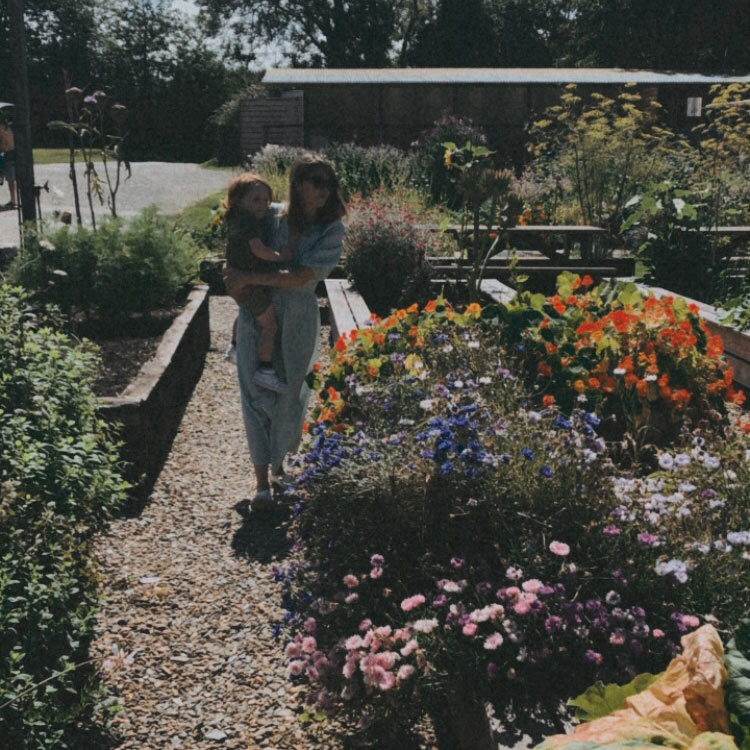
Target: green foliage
[737, 661]
[675, 254]
[58, 486]
[606, 147]
[486, 195]
[431, 171]
[385, 255]
[364, 170]
[361, 170]
[722, 154]
[133, 266]
[601, 700]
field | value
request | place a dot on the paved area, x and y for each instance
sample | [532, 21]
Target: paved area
[170, 186]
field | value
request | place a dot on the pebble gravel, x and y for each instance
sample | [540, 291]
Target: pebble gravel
[189, 600]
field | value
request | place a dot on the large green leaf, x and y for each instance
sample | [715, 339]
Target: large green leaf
[737, 662]
[601, 700]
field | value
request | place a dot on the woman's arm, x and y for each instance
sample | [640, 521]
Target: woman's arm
[237, 282]
[261, 251]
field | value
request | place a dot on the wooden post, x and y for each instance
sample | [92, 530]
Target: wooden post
[462, 723]
[22, 124]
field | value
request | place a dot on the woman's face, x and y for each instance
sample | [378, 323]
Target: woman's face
[256, 201]
[314, 190]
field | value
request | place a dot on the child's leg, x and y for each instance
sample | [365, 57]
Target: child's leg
[267, 323]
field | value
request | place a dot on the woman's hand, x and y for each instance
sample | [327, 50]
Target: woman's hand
[236, 282]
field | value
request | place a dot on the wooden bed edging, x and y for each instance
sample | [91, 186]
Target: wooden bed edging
[149, 410]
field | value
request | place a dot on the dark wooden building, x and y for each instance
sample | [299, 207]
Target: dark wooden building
[394, 105]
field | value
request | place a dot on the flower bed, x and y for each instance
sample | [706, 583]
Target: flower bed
[462, 537]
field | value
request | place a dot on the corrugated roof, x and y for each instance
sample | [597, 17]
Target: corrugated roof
[299, 76]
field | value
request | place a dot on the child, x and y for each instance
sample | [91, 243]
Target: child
[248, 199]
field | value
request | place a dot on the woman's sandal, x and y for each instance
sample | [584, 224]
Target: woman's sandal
[262, 502]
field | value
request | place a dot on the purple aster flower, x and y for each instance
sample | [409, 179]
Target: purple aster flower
[611, 530]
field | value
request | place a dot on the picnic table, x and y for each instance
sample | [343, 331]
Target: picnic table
[570, 233]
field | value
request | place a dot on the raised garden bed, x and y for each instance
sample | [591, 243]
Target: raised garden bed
[150, 408]
[348, 310]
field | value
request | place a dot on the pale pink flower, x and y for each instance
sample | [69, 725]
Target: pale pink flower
[293, 650]
[401, 634]
[376, 573]
[532, 585]
[405, 671]
[559, 548]
[310, 625]
[351, 581]
[617, 639]
[657, 633]
[412, 602]
[410, 647]
[309, 644]
[522, 607]
[690, 621]
[384, 631]
[354, 641]
[351, 598]
[493, 641]
[312, 673]
[470, 628]
[366, 624]
[512, 591]
[425, 626]
[296, 667]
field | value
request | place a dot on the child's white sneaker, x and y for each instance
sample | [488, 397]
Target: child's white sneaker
[270, 380]
[231, 353]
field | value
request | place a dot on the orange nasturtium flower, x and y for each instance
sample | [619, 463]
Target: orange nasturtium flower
[548, 400]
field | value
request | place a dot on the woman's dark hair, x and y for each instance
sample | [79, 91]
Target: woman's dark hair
[309, 166]
[239, 187]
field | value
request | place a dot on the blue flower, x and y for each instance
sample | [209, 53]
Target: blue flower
[527, 453]
[446, 468]
[546, 471]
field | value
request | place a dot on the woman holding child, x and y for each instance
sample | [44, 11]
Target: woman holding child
[309, 233]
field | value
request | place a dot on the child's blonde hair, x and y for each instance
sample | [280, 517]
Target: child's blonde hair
[239, 187]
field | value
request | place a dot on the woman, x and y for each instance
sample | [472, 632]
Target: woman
[312, 227]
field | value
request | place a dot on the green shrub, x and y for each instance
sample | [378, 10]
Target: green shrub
[143, 265]
[123, 267]
[360, 169]
[59, 485]
[430, 169]
[365, 170]
[384, 255]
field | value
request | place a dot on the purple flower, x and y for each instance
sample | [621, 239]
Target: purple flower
[457, 563]
[649, 540]
[553, 623]
[593, 656]
[546, 471]
[611, 530]
[377, 560]
[440, 600]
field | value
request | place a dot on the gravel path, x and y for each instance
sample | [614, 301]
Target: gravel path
[189, 596]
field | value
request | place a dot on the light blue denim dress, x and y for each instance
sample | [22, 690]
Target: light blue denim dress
[273, 422]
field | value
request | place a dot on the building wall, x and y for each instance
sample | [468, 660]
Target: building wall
[396, 114]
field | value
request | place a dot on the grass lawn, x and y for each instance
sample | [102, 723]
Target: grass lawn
[52, 156]
[196, 217]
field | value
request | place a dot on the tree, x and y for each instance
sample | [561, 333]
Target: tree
[690, 35]
[321, 33]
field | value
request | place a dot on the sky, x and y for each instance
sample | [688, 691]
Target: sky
[267, 55]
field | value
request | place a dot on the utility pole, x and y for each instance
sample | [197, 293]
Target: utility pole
[21, 123]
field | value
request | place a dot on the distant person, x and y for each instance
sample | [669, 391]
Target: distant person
[8, 158]
[249, 232]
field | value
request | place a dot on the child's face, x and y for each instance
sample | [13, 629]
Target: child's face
[256, 201]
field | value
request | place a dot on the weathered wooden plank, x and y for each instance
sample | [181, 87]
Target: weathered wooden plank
[496, 290]
[342, 318]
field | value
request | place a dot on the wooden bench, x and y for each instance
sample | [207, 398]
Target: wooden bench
[348, 309]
